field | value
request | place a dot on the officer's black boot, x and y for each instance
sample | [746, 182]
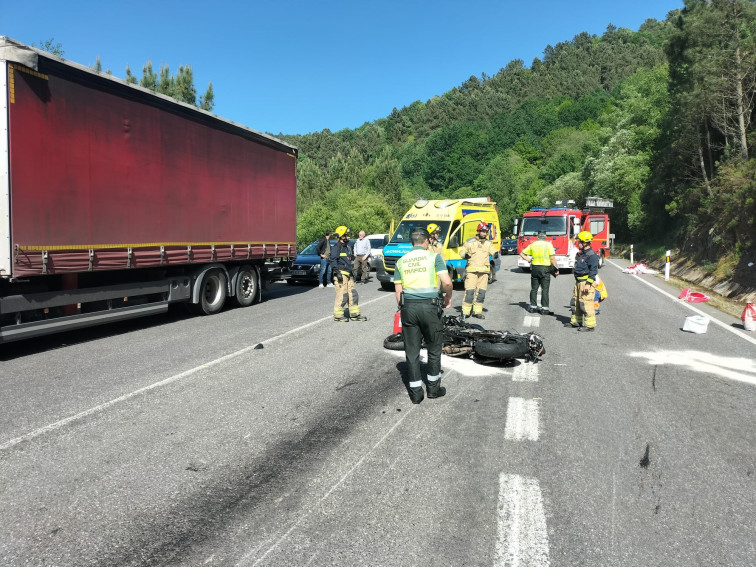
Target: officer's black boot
[436, 390]
[416, 394]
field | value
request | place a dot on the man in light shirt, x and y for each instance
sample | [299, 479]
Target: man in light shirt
[361, 258]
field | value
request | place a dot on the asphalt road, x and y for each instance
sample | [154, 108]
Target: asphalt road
[274, 436]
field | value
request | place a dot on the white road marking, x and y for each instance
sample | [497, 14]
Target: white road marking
[525, 372]
[464, 366]
[522, 420]
[531, 321]
[714, 320]
[522, 536]
[740, 369]
[102, 407]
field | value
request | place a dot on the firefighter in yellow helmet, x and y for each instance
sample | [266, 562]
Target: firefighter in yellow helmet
[433, 244]
[478, 251]
[341, 269]
[585, 272]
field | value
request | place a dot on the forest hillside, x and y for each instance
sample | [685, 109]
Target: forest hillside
[660, 120]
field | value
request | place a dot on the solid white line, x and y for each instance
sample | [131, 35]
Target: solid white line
[522, 537]
[102, 407]
[714, 320]
[522, 420]
[525, 372]
[531, 321]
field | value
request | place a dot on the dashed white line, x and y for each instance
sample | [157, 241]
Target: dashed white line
[522, 420]
[525, 372]
[522, 536]
[531, 321]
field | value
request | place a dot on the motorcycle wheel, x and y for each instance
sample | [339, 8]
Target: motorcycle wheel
[511, 347]
[394, 342]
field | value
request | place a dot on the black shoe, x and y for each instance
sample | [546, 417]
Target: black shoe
[477, 316]
[586, 329]
[416, 395]
[341, 319]
[532, 309]
[435, 391]
[546, 311]
[571, 325]
[358, 318]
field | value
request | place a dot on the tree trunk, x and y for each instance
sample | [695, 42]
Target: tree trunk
[741, 108]
[702, 163]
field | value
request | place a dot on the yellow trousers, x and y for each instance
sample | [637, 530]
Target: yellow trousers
[346, 295]
[584, 311]
[476, 284]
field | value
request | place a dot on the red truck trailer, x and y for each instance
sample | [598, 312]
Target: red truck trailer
[562, 224]
[116, 202]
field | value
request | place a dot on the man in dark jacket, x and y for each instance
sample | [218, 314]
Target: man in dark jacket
[585, 272]
[324, 251]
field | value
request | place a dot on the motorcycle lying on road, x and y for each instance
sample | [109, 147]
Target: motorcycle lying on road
[475, 342]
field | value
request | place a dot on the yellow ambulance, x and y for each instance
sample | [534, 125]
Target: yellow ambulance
[458, 220]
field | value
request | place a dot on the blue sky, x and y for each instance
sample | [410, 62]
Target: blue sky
[303, 66]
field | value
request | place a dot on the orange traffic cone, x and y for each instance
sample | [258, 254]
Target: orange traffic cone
[398, 322]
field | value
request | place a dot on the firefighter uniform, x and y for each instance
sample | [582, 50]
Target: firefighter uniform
[585, 272]
[346, 294]
[476, 275]
[421, 311]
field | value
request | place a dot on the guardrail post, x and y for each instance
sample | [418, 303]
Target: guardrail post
[631, 255]
[666, 267]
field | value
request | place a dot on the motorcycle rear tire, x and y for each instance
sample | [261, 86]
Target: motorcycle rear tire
[512, 347]
[394, 342]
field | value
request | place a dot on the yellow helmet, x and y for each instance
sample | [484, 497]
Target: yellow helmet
[433, 227]
[585, 236]
[341, 231]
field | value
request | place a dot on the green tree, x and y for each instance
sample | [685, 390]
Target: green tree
[130, 78]
[50, 46]
[207, 101]
[149, 79]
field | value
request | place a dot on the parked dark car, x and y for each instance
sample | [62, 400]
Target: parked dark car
[509, 246]
[306, 267]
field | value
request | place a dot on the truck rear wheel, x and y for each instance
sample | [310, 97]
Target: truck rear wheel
[212, 293]
[246, 290]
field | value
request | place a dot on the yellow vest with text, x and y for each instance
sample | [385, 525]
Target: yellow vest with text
[418, 269]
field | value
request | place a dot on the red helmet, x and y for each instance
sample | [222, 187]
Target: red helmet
[482, 226]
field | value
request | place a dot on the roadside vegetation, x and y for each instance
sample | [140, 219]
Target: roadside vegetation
[660, 120]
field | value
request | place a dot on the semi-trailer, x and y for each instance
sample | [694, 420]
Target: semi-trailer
[116, 201]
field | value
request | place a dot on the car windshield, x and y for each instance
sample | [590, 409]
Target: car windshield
[554, 226]
[406, 227]
[508, 242]
[312, 249]
[376, 243]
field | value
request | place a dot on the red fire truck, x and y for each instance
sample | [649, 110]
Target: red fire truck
[562, 224]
